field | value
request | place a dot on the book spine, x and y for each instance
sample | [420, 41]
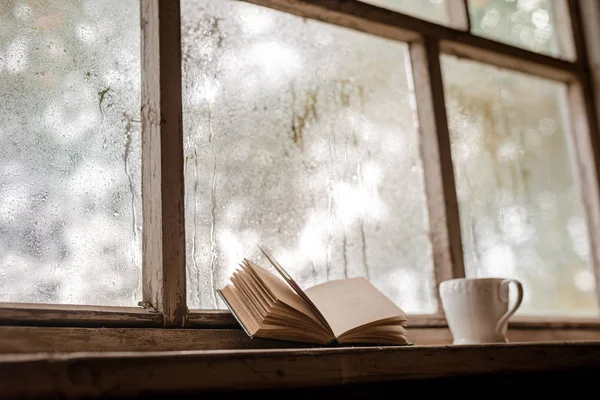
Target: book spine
[237, 318]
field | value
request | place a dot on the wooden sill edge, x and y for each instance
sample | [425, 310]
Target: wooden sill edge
[224, 319]
[90, 375]
[286, 353]
[25, 339]
[132, 317]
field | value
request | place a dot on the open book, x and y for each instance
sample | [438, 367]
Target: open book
[342, 311]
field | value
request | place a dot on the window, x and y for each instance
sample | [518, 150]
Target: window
[520, 207]
[300, 137]
[70, 157]
[537, 25]
[351, 138]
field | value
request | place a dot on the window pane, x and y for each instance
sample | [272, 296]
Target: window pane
[70, 212]
[430, 10]
[299, 135]
[536, 25]
[520, 208]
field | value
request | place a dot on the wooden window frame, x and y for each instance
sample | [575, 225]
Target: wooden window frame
[164, 302]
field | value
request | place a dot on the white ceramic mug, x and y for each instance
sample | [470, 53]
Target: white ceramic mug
[477, 310]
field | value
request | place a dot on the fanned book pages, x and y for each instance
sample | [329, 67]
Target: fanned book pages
[342, 311]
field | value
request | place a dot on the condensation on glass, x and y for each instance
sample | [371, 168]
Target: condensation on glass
[542, 26]
[430, 10]
[299, 136]
[70, 208]
[520, 205]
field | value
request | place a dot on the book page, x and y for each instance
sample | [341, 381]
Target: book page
[242, 314]
[351, 303]
[292, 283]
[283, 292]
[239, 305]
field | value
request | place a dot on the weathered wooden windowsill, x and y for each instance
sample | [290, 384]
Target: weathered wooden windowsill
[429, 331]
[76, 362]
[77, 375]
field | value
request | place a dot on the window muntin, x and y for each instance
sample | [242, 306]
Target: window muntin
[430, 10]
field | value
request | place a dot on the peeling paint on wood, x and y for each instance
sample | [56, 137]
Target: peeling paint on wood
[163, 266]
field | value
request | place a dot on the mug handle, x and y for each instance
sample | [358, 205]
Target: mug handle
[501, 325]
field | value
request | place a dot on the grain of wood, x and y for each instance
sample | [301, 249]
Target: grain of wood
[554, 323]
[440, 189]
[18, 339]
[211, 319]
[441, 336]
[94, 375]
[71, 315]
[22, 339]
[507, 60]
[163, 268]
[386, 23]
